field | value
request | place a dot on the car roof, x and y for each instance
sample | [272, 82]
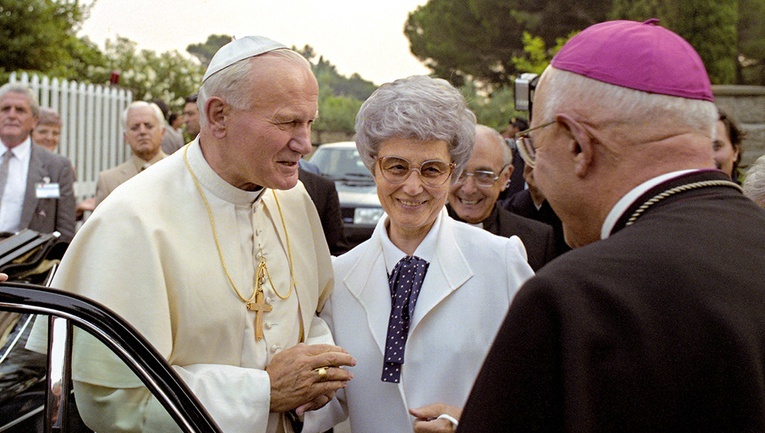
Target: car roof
[339, 144]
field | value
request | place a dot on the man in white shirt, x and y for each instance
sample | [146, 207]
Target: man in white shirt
[36, 185]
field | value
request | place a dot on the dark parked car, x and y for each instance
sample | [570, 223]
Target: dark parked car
[356, 188]
[36, 393]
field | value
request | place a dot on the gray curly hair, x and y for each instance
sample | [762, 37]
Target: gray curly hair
[420, 108]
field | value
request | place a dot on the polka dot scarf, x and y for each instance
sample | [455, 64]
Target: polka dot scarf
[405, 282]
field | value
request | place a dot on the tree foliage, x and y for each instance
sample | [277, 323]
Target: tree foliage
[477, 39]
[168, 76]
[206, 50]
[340, 97]
[710, 26]
[40, 35]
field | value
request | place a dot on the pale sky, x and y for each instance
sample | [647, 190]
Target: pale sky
[362, 36]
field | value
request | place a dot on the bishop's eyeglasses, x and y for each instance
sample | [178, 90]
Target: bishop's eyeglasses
[433, 173]
[525, 144]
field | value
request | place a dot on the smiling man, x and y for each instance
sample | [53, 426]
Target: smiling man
[143, 127]
[473, 198]
[216, 254]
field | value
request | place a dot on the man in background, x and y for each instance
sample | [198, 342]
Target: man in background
[36, 186]
[143, 128]
[515, 125]
[173, 140]
[473, 198]
[531, 203]
[191, 116]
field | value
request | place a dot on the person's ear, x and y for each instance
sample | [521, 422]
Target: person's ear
[216, 110]
[504, 177]
[581, 147]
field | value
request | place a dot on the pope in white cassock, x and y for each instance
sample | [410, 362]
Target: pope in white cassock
[218, 258]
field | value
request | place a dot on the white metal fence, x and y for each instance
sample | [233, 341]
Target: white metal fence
[91, 135]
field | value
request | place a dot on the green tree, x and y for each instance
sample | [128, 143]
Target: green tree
[476, 40]
[493, 109]
[206, 50]
[40, 36]
[751, 42]
[169, 76]
[710, 26]
[536, 55]
[340, 97]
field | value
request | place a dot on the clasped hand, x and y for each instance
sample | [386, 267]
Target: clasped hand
[295, 382]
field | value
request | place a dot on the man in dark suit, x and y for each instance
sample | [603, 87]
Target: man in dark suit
[515, 125]
[654, 321]
[324, 196]
[36, 186]
[531, 203]
[473, 198]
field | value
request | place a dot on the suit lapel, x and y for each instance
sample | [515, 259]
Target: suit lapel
[447, 272]
[367, 281]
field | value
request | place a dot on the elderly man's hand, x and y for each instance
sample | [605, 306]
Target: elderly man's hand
[427, 418]
[296, 382]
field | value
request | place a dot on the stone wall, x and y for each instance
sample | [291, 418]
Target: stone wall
[746, 105]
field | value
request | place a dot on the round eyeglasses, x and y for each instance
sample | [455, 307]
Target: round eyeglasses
[525, 144]
[481, 178]
[433, 173]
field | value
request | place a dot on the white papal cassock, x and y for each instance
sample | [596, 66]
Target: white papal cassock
[148, 253]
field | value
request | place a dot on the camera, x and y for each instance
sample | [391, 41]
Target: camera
[524, 91]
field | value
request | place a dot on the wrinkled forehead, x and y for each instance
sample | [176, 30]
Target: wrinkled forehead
[16, 99]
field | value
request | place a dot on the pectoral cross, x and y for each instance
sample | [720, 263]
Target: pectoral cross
[260, 305]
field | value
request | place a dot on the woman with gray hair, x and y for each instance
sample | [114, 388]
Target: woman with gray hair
[416, 366]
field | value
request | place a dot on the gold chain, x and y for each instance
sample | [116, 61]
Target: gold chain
[220, 252]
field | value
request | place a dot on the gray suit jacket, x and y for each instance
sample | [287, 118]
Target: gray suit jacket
[47, 215]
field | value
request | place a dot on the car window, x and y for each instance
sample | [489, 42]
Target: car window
[340, 163]
[29, 378]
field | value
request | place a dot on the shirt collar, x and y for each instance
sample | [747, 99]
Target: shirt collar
[21, 151]
[426, 250]
[621, 206]
[142, 163]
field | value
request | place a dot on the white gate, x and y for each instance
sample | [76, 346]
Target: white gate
[91, 135]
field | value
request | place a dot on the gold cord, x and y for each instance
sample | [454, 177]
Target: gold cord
[661, 196]
[220, 252]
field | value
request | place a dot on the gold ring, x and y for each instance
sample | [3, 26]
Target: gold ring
[323, 373]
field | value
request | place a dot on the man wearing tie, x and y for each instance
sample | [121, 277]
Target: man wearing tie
[143, 127]
[36, 186]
